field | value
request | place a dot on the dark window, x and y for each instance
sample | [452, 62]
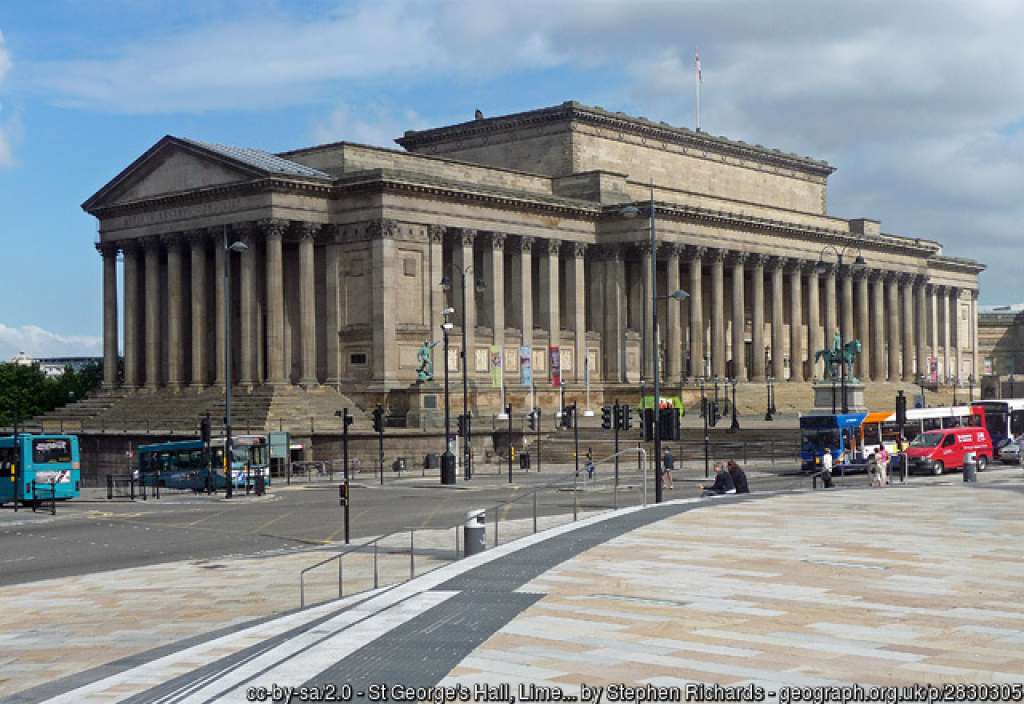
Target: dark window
[358, 359]
[51, 451]
[949, 441]
[1017, 423]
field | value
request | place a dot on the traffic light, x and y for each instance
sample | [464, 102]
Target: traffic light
[462, 425]
[606, 417]
[627, 418]
[346, 419]
[901, 409]
[531, 417]
[712, 413]
[343, 494]
[378, 420]
[204, 429]
[567, 416]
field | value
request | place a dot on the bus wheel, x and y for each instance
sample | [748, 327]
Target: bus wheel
[938, 469]
[982, 463]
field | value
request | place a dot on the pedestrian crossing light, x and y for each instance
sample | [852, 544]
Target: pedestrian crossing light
[462, 426]
[606, 417]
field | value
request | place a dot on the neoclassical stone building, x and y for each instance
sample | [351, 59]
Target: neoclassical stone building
[348, 245]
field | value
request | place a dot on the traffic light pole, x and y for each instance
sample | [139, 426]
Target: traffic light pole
[616, 422]
[537, 411]
[380, 442]
[345, 420]
[508, 412]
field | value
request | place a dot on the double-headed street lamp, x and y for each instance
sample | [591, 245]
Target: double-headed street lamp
[767, 385]
[446, 284]
[631, 211]
[822, 267]
[239, 247]
[447, 459]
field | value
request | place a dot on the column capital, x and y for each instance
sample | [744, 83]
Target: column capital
[794, 265]
[907, 278]
[273, 228]
[131, 246]
[739, 258]
[861, 274]
[717, 254]
[308, 230]
[497, 240]
[758, 259]
[810, 268]
[172, 240]
[777, 262]
[876, 274]
[435, 233]
[108, 249]
[828, 268]
[524, 244]
[380, 229]
[696, 252]
[551, 247]
[642, 248]
[198, 236]
[151, 243]
[920, 281]
[672, 249]
[891, 277]
[934, 289]
[463, 236]
[574, 249]
[607, 252]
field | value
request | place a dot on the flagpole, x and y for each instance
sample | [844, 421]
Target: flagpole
[699, 79]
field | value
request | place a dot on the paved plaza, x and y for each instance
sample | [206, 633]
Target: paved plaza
[907, 584]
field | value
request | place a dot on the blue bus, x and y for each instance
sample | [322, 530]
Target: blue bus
[39, 467]
[838, 433]
[183, 464]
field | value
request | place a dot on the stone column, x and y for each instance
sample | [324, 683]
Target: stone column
[131, 315]
[548, 290]
[718, 312]
[642, 303]
[697, 311]
[907, 291]
[197, 283]
[757, 326]
[831, 317]
[796, 351]
[108, 250]
[247, 307]
[613, 331]
[739, 318]
[973, 319]
[307, 302]
[384, 276]
[954, 329]
[175, 312]
[942, 301]
[464, 275]
[863, 369]
[577, 310]
[273, 233]
[674, 316]
[846, 277]
[778, 348]
[152, 282]
[493, 274]
[814, 339]
[332, 299]
[878, 326]
[892, 316]
[521, 285]
[921, 327]
[933, 326]
[219, 259]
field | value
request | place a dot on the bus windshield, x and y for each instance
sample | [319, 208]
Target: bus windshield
[817, 439]
[927, 440]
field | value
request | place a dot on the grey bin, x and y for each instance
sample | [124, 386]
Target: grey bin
[474, 532]
[970, 467]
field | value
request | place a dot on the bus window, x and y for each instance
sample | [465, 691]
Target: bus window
[258, 455]
[51, 451]
[932, 424]
[1017, 423]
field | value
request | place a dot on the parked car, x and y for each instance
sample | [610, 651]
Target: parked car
[936, 451]
[1010, 452]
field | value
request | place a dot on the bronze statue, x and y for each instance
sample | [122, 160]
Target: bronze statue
[839, 354]
[425, 371]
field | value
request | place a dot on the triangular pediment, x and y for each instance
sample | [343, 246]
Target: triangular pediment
[171, 166]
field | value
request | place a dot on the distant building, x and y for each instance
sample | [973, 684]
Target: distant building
[1001, 347]
[54, 366]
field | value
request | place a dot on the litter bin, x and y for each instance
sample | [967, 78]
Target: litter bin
[474, 532]
[431, 461]
[970, 467]
[524, 460]
[261, 485]
[447, 468]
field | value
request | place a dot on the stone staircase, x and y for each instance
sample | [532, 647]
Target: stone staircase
[793, 399]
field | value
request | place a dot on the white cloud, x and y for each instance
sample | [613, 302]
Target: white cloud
[375, 123]
[6, 126]
[37, 342]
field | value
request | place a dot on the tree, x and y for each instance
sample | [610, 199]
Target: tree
[26, 392]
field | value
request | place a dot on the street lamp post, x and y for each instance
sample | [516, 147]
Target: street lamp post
[447, 459]
[858, 265]
[735, 425]
[467, 451]
[954, 389]
[767, 386]
[239, 247]
[970, 385]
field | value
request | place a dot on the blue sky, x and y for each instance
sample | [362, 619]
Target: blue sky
[920, 105]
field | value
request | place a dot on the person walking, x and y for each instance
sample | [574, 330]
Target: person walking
[668, 464]
[826, 468]
[590, 464]
[874, 470]
[883, 465]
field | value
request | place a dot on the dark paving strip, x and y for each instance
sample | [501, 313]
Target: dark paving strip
[425, 649]
[81, 679]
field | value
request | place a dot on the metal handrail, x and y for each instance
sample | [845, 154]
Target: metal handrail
[374, 542]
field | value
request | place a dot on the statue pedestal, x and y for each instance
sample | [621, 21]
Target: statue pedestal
[426, 406]
[825, 392]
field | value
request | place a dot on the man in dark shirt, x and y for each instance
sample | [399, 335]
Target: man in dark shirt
[723, 483]
[739, 478]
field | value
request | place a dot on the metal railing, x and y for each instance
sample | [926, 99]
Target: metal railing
[403, 543]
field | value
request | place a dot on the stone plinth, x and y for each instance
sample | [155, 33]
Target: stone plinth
[823, 395]
[426, 406]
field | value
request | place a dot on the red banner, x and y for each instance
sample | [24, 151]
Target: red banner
[556, 365]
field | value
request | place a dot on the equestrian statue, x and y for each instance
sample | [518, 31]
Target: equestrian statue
[839, 354]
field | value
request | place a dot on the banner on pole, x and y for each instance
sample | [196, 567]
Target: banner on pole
[525, 366]
[496, 366]
[556, 365]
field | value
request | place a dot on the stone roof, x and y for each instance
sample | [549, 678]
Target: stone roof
[259, 159]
